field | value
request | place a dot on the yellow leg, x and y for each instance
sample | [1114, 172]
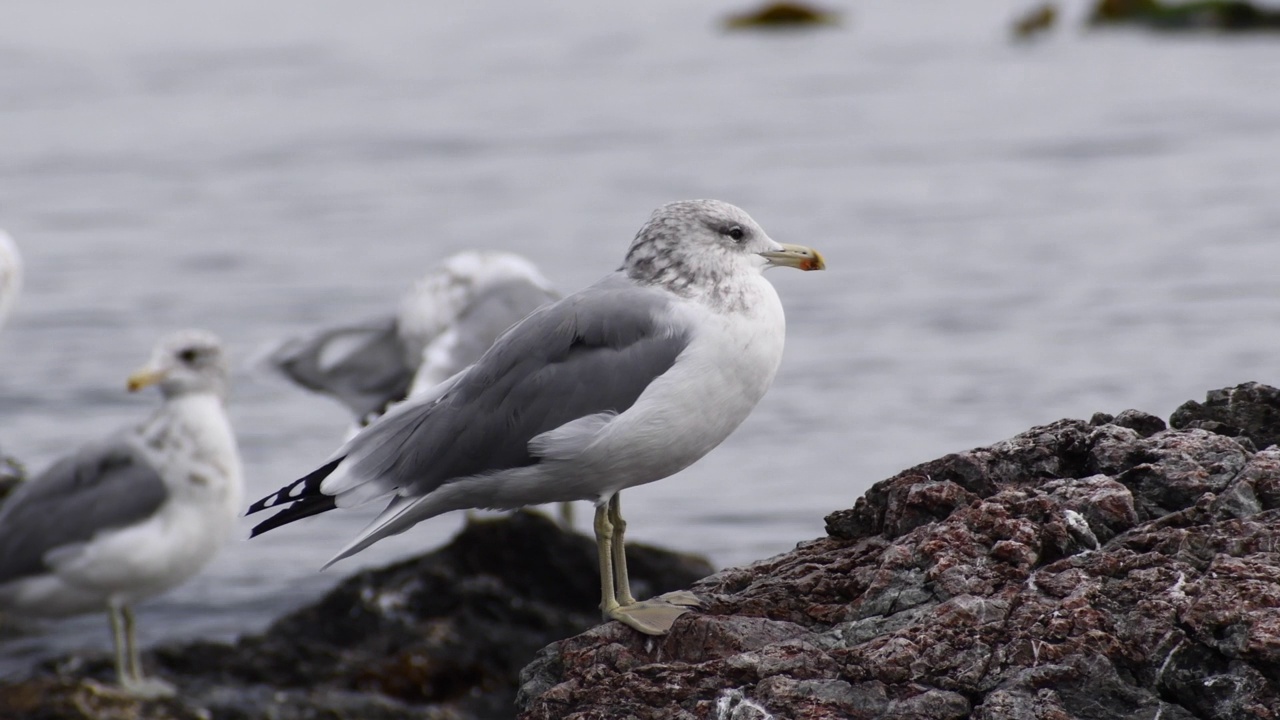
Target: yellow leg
[118, 637]
[604, 552]
[652, 617]
[621, 579]
[566, 515]
[131, 640]
[131, 678]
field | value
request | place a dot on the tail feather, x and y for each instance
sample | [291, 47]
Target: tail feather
[301, 498]
[389, 522]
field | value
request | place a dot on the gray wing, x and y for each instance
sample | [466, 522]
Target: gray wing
[479, 325]
[593, 352]
[362, 365]
[98, 488]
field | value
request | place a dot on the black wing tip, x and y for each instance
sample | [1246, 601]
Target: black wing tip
[297, 511]
[300, 498]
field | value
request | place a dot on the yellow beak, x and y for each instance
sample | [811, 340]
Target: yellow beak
[143, 378]
[796, 256]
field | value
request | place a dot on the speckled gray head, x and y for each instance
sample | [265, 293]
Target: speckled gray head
[187, 361]
[699, 244]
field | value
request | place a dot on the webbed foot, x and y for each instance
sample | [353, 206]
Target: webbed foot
[656, 616]
[149, 688]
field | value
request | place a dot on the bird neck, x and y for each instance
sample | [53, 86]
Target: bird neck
[200, 419]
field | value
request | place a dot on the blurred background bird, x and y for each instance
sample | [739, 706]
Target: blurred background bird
[134, 514]
[10, 275]
[445, 323]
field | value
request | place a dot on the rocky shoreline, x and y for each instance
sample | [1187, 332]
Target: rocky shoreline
[1108, 568]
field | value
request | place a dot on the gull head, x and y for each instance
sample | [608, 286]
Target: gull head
[186, 362]
[445, 292]
[695, 245]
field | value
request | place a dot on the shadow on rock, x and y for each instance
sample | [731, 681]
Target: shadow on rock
[440, 636]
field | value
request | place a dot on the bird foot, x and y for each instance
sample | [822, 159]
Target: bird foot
[656, 616]
[684, 598]
[149, 688]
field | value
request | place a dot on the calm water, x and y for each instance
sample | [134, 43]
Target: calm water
[1015, 233]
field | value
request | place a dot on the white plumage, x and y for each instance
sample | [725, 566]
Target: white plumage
[623, 383]
[134, 515]
[10, 275]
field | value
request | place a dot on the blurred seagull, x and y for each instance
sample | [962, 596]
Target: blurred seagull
[623, 383]
[444, 324]
[134, 515]
[10, 274]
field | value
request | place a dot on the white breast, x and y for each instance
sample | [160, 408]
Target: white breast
[192, 445]
[713, 386]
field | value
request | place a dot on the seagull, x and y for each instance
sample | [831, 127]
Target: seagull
[623, 383]
[10, 274]
[444, 324]
[135, 514]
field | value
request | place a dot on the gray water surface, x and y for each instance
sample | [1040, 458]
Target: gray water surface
[1014, 233]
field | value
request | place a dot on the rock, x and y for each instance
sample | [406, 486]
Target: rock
[1035, 21]
[440, 636]
[782, 15]
[11, 474]
[1249, 410]
[49, 698]
[1104, 569]
[1212, 15]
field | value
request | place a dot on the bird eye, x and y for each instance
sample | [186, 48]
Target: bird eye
[189, 355]
[735, 232]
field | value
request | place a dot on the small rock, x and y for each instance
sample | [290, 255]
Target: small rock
[1251, 410]
[782, 15]
[1145, 424]
[1035, 21]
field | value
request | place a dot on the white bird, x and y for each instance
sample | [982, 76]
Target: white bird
[444, 324]
[134, 515]
[623, 383]
[10, 275]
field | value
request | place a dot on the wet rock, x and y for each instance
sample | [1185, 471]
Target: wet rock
[1213, 15]
[782, 15]
[1110, 568]
[440, 636]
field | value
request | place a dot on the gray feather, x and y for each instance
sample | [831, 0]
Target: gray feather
[485, 318]
[100, 487]
[591, 353]
[362, 365]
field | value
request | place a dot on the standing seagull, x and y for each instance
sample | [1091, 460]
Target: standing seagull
[444, 324]
[10, 274]
[623, 383]
[134, 515]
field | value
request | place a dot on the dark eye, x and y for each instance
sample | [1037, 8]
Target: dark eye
[735, 232]
[188, 356]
